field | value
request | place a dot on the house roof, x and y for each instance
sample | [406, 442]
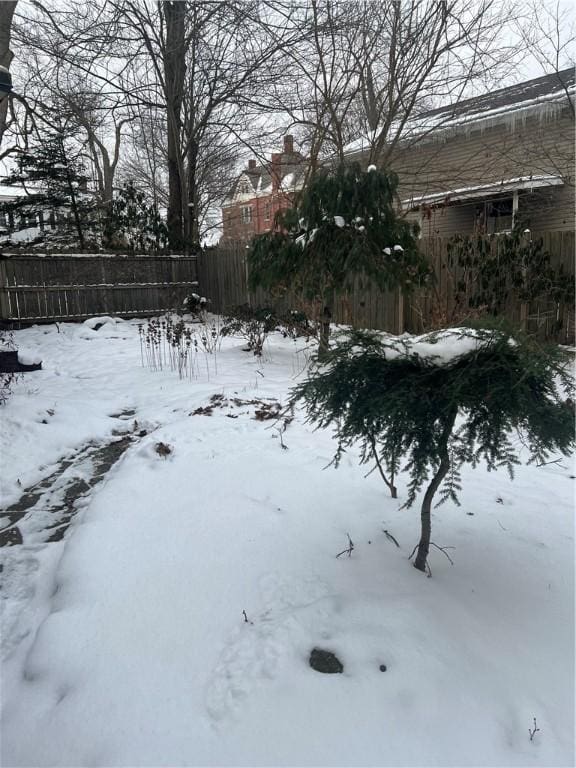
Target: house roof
[514, 96]
[542, 95]
[258, 177]
[292, 170]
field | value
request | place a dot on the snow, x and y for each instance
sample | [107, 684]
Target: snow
[339, 221]
[371, 169]
[307, 237]
[93, 322]
[558, 98]
[484, 190]
[442, 124]
[199, 299]
[437, 348]
[9, 192]
[301, 240]
[287, 181]
[125, 644]
[28, 358]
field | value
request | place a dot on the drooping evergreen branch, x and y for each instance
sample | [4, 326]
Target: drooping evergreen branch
[400, 402]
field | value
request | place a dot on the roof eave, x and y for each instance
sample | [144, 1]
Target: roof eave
[483, 190]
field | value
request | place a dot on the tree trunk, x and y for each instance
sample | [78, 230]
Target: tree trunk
[174, 70]
[73, 200]
[106, 198]
[76, 213]
[6, 13]
[193, 232]
[425, 512]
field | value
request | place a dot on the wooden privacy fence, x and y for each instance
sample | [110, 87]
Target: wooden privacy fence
[223, 278]
[47, 288]
[437, 304]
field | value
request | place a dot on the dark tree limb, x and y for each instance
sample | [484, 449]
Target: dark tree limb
[389, 483]
[348, 551]
[392, 538]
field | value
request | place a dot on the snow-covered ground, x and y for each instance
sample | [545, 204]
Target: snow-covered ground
[173, 623]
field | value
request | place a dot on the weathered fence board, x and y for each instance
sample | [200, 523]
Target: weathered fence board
[223, 279]
[45, 288]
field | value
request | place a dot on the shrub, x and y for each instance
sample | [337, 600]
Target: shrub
[195, 305]
[9, 378]
[403, 396]
[253, 325]
[294, 324]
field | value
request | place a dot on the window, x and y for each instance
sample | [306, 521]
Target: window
[267, 211]
[246, 214]
[499, 215]
[495, 216]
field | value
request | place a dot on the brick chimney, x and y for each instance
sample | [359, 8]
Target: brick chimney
[251, 164]
[288, 143]
[276, 170]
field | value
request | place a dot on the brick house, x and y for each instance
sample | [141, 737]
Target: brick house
[487, 162]
[260, 191]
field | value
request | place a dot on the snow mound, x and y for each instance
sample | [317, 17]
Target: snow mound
[438, 348]
[28, 358]
[92, 322]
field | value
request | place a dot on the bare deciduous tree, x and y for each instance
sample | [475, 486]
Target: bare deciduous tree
[365, 68]
[169, 92]
[64, 82]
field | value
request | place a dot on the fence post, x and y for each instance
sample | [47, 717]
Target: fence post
[104, 288]
[4, 295]
[246, 272]
[400, 327]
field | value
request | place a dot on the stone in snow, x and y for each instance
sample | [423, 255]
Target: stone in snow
[325, 661]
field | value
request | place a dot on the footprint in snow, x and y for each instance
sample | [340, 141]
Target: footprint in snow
[254, 652]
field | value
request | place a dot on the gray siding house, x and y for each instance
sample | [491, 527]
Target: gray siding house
[489, 162]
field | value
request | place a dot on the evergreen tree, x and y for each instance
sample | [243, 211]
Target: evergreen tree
[133, 223]
[399, 395]
[343, 225]
[53, 176]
